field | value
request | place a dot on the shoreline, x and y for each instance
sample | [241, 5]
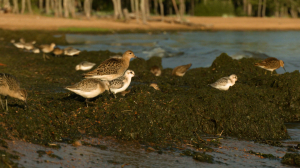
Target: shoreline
[39, 22]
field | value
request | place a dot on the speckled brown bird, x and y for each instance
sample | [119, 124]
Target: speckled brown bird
[111, 68]
[9, 86]
[155, 70]
[271, 64]
[181, 70]
[57, 51]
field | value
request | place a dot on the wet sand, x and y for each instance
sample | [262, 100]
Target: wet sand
[36, 22]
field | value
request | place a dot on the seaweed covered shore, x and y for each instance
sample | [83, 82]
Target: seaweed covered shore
[185, 108]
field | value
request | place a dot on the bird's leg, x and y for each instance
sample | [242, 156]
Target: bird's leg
[1, 103]
[6, 103]
[115, 95]
[86, 102]
[44, 57]
[265, 72]
[25, 106]
[271, 73]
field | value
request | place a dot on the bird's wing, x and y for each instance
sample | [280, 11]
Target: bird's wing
[109, 66]
[117, 83]
[221, 82]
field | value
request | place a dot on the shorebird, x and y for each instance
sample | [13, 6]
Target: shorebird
[155, 86]
[271, 64]
[57, 51]
[155, 70]
[181, 70]
[225, 82]
[111, 68]
[29, 45]
[17, 44]
[70, 51]
[84, 66]
[36, 50]
[46, 48]
[89, 88]
[9, 86]
[121, 84]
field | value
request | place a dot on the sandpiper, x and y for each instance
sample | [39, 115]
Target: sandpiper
[121, 84]
[181, 70]
[84, 66]
[70, 51]
[17, 44]
[57, 51]
[225, 82]
[155, 70]
[35, 50]
[89, 88]
[155, 86]
[46, 48]
[111, 68]
[271, 64]
[9, 86]
[29, 45]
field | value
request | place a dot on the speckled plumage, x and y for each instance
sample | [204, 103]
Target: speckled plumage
[89, 88]
[9, 86]
[111, 68]
[155, 70]
[121, 84]
[225, 82]
[85, 65]
[181, 70]
[271, 64]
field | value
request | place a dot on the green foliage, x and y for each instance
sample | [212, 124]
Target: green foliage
[214, 8]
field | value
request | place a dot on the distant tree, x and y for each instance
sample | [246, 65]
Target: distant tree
[259, 8]
[47, 7]
[28, 6]
[182, 8]
[88, 8]
[161, 6]
[72, 8]
[143, 11]
[155, 7]
[15, 6]
[136, 2]
[66, 8]
[264, 6]
[41, 5]
[117, 9]
[132, 5]
[176, 10]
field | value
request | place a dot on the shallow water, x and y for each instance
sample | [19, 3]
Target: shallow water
[199, 48]
[231, 153]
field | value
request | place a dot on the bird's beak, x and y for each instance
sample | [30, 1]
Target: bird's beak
[284, 69]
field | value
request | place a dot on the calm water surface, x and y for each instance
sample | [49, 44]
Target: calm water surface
[199, 48]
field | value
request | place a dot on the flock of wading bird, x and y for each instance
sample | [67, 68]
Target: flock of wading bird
[113, 75]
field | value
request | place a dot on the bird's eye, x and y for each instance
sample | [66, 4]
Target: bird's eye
[129, 53]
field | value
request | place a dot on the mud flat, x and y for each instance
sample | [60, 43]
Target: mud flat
[182, 112]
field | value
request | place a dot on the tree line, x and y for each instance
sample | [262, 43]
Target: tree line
[141, 10]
